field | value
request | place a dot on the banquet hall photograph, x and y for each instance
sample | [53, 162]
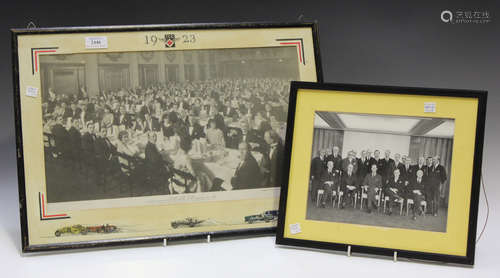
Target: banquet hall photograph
[381, 170]
[131, 124]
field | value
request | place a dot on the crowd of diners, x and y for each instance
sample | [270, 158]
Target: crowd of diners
[394, 180]
[99, 134]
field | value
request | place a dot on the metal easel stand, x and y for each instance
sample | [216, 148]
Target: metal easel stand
[349, 253]
[209, 239]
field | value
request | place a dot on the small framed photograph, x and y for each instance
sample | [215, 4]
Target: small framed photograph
[383, 170]
[135, 134]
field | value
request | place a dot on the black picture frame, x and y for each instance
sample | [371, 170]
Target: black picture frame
[481, 96]
[228, 234]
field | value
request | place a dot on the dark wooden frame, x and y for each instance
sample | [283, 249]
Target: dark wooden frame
[15, 33]
[476, 175]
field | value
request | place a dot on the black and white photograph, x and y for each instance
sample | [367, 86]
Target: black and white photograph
[381, 170]
[131, 124]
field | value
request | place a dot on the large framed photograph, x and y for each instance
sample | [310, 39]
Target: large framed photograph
[383, 170]
[135, 134]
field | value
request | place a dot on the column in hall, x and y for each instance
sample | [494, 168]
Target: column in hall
[134, 69]
[161, 67]
[92, 75]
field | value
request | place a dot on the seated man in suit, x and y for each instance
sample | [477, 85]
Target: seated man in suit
[247, 174]
[348, 184]
[416, 193]
[155, 170]
[330, 182]
[395, 189]
[372, 181]
[195, 129]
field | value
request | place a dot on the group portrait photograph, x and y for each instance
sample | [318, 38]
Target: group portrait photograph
[131, 124]
[381, 170]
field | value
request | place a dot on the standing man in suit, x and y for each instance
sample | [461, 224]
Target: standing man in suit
[397, 163]
[88, 149]
[275, 158]
[318, 166]
[421, 165]
[61, 137]
[363, 166]
[428, 164]
[436, 177]
[337, 159]
[377, 161]
[350, 160]
[408, 171]
[372, 181]
[75, 140]
[248, 170]
[388, 166]
[103, 152]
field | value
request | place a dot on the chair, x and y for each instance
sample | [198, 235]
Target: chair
[411, 202]
[364, 195]
[334, 194]
[340, 194]
[321, 192]
[400, 201]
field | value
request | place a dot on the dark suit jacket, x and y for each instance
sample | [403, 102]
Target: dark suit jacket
[398, 184]
[103, 148]
[219, 123]
[247, 175]
[388, 166]
[423, 168]
[197, 132]
[337, 161]
[126, 121]
[408, 174]
[414, 185]
[345, 163]
[276, 173]
[318, 166]
[61, 137]
[363, 168]
[75, 139]
[153, 126]
[88, 146]
[152, 155]
[380, 166]
[351, 180]
[437, 175]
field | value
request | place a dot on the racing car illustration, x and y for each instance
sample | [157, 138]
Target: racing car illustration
[83, 230]
[188, 221]
[266, 216]
[75, 229]
[102, 229]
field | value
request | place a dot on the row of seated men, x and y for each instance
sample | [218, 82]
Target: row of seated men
[397, 178]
